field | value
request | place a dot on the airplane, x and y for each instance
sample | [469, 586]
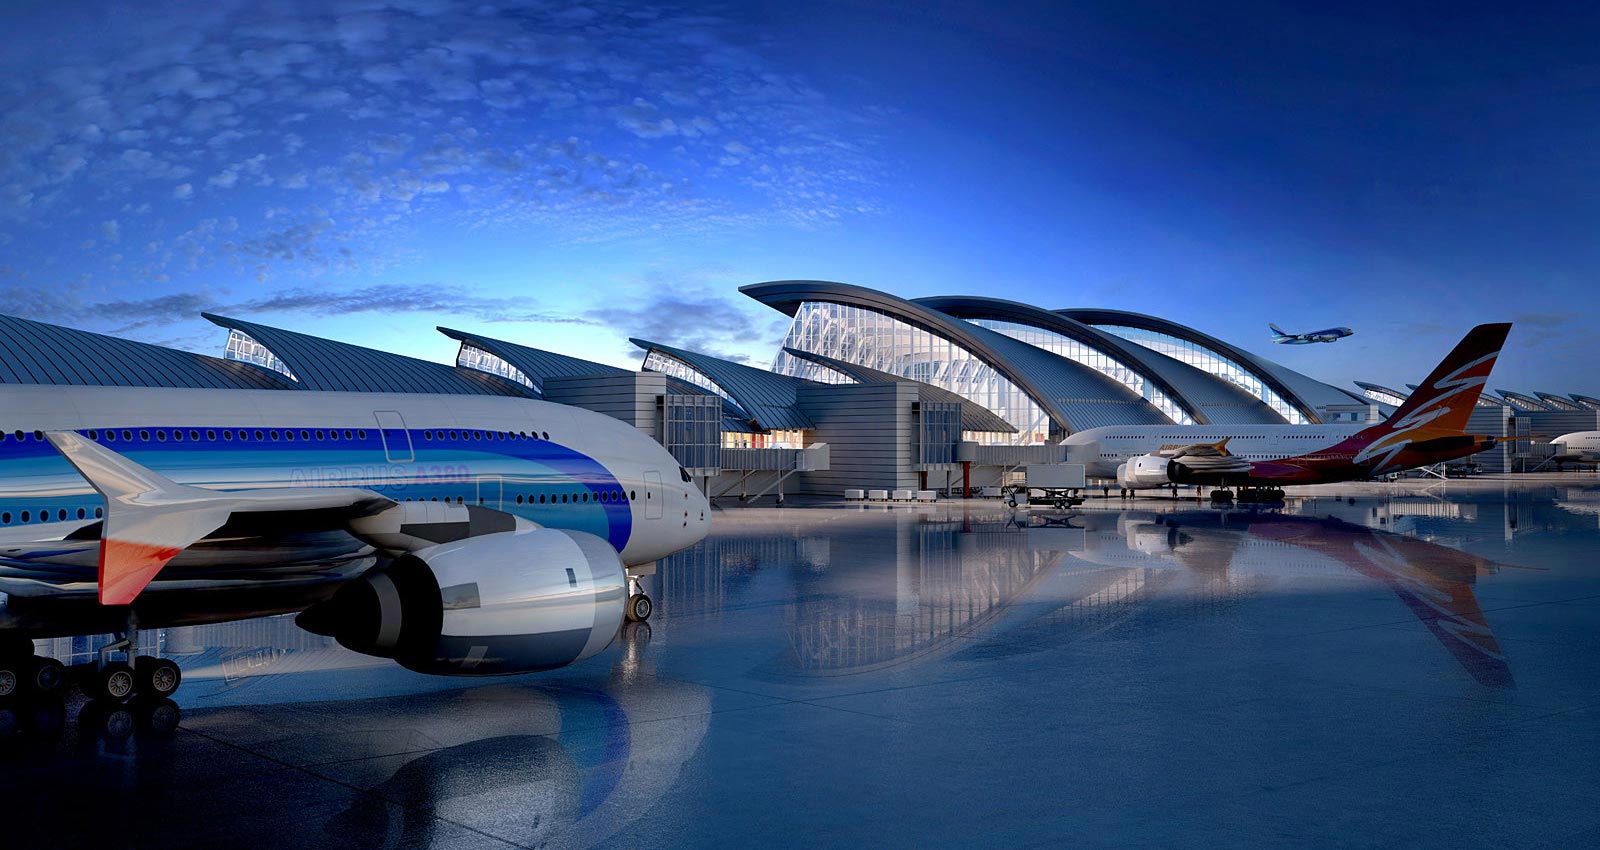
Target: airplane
[1429, 428]
[1579, 446]
[1283, 337]
[456, 535]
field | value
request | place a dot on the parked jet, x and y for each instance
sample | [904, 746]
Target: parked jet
[466, 535]
[1429, 428]
[1283, 337]
[1580, 446]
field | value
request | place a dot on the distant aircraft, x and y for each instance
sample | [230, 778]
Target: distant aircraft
[1283, 337]
[1581, 446]
[1429, 428]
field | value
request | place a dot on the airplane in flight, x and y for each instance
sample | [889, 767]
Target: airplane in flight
[1429, 428]
[456, 535]
[1283, 337]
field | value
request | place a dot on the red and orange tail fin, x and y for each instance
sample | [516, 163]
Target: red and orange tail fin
[1447, 397]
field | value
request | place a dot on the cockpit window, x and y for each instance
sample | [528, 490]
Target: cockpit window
[684, 474]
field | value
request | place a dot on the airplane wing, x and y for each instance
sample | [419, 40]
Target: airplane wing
[151, 518]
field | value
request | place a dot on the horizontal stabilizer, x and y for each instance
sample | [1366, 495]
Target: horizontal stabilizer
[150, 518]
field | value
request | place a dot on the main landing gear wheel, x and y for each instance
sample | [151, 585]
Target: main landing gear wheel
[10, 682]
[639, 608]
[158, 677]
[115, 682]
[47, 674]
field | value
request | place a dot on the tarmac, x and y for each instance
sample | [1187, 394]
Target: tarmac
[1378, 665]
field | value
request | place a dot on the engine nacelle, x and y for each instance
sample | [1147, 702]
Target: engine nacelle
[513, 602]
[1146, 472]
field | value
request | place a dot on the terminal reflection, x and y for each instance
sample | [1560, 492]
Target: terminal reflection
[875, 589]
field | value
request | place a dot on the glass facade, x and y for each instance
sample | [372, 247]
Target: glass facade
[813, 371]
[672, 367]
[1382, 397]
[938, 431]
[1095, 359]
[880, 341]
[1205, 359]
[692, 430]
[472, 357]
[244, 348]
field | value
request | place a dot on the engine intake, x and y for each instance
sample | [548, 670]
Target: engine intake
[513, 602]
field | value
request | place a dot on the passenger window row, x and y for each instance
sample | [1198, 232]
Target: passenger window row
[178, 435]
[609, 497]
[44, 515]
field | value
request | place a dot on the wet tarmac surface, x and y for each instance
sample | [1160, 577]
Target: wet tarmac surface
[1405, 665]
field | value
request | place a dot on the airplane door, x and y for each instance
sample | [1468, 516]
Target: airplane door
[396, 440]
[490, 491]
[653, 495]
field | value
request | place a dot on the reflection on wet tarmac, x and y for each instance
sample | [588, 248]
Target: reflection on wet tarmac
[828, 659]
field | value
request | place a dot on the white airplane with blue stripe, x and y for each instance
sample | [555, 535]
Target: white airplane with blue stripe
[458, 535]
[1283, 337]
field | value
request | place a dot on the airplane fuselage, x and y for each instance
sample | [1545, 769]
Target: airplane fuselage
[552, 464]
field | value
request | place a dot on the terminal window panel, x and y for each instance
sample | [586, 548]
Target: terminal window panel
[692, 430]
[1207, 360]
[938, 431]
[1095, 359]
[880, 341]
[475, 358]
[244, 348]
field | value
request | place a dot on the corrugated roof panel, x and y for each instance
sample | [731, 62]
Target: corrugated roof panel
[768, 397]
[40, 353]
[324, 364]
[537, 364]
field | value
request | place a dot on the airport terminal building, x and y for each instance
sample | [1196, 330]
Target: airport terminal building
[867, 390]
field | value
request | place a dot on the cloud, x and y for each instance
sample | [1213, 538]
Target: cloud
[697, 320]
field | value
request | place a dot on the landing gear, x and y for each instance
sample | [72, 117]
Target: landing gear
[639, 605]
[22, 673]
[47, 674]
[148, 676]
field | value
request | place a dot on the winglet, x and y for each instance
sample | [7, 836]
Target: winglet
[149, 517]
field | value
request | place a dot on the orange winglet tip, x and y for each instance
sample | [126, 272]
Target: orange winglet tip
[127, 567]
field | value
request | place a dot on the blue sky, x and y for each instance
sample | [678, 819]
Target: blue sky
[572, 175]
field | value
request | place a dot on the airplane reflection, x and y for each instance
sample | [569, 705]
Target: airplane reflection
[531, 762]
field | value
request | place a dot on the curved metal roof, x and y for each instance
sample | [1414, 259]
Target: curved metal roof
[1382, 389]
[1587, 401]
[1074, 396]
[1558, 402]
[974, 416]
[767, 397]
[1306, 394]
[539, 365]
[1209, 400]
[1524, 402]
[38, 353]
[323, 364]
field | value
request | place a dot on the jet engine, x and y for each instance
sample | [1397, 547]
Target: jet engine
[510, 602]
[1146, 472]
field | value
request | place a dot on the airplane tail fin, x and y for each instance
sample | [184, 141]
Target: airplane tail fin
[1277, 330]
[1447, 397]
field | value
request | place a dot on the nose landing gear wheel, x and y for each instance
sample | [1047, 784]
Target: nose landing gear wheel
[639, 608]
